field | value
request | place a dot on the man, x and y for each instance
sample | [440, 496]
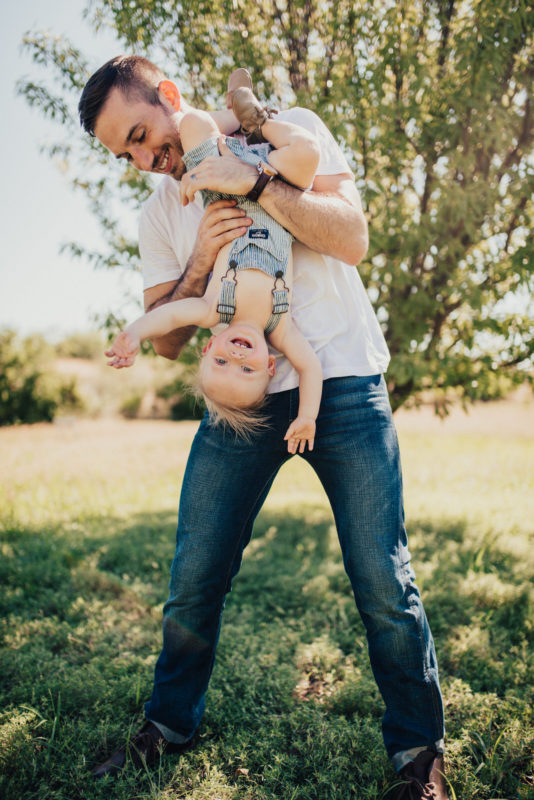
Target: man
[135, 112]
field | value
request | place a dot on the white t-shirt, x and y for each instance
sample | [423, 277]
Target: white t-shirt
[328, 302]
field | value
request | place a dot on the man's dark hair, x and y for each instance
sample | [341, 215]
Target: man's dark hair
[135, 76]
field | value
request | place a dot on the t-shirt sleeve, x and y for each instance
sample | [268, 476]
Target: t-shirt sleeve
[332, 160]
[159, 260]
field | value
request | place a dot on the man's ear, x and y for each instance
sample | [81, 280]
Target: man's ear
[271, 366]
[170, 93]
[207, 346]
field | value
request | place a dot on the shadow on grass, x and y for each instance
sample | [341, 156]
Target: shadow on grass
[293, 710]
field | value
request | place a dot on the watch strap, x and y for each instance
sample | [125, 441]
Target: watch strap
[263, 179]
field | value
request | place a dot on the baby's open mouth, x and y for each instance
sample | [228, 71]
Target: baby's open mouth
[239, 342]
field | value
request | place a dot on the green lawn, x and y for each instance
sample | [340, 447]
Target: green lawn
[87, 525]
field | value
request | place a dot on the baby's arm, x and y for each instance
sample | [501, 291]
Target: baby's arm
[301, 355]
[160, 321]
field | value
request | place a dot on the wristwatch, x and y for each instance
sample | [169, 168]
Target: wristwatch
[266, 173]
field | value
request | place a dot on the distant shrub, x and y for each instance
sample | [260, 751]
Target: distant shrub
[184, 405]
[29, 391]
[131, 405]
[89, 344]
[187, 407]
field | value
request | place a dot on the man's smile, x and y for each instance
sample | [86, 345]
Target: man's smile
[163, 163]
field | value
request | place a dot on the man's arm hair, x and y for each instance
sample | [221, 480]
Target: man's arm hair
[328, 219]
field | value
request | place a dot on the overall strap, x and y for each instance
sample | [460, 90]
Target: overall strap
[280, 302]
[226, 304]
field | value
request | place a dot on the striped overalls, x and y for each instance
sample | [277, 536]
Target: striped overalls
[265, 246]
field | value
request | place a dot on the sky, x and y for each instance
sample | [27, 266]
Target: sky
[41, 290]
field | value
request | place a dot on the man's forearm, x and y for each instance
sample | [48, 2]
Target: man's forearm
[330, 223]
[191, 284]
[328, 219]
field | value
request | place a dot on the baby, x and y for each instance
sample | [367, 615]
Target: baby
[250, 285]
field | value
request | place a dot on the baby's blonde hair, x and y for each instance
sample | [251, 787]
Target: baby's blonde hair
[242, 420]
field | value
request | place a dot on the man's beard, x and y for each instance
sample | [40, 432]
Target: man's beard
[178, 167]
[176, 153]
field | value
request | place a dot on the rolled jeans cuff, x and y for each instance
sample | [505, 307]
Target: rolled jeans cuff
[170, 736]
[403, 757]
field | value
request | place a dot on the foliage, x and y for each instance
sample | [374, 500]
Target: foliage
[86, 345]
[130, 406]
[29, 392]
[185, 403]
[293, 710]
[432, 103]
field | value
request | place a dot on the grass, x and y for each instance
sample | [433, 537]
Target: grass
[87, 530]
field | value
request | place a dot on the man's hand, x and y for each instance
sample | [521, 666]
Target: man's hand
[227, 174]
[123, 350]
[301, 430]
[221, 223]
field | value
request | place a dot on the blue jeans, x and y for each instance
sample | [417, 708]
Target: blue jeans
[227, 479]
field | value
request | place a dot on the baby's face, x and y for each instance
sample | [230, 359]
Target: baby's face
[236, 366]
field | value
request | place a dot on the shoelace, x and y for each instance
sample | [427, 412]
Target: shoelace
[405, 793]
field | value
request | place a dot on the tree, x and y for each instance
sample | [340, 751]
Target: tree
[431, 101]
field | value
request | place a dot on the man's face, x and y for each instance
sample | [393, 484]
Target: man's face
[146, 135]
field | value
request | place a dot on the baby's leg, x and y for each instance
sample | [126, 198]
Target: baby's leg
[297, 152]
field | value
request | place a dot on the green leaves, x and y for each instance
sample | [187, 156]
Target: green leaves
[29, 391]
[431, 101]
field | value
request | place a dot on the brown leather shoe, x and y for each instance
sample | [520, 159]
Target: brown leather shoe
[247, 108]
[239, 78]
[251, 114]
[422, 779]
[143, 750]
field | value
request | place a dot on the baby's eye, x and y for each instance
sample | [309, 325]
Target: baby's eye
[247, 369]
[220, 361]
[141, 138]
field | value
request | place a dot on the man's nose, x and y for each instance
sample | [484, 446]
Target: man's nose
[142, 158]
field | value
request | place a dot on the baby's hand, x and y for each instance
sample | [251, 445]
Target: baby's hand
[301, 430]
[123, 350]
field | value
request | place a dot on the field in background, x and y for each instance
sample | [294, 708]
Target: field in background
[135, 393]
[88, 511]
[106, 392]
